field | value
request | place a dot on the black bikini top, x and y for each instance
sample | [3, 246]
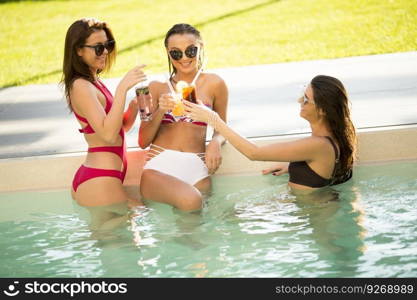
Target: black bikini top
[301, 173]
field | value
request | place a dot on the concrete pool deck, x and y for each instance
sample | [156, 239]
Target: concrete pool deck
[36, 127]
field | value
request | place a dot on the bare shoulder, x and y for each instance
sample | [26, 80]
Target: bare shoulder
[156, 87]
[218, 87]
[81, 88]
[81, 83]
[318, 143]
[156, 84]
[215, 79]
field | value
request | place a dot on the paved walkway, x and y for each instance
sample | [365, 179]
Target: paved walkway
[34, 119]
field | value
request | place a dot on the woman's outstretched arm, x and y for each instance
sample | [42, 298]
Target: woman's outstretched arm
[305, 149]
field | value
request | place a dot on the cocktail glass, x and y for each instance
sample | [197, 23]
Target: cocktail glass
[144, 102]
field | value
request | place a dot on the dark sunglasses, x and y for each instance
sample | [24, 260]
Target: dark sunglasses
[99, 48]
[190, 52]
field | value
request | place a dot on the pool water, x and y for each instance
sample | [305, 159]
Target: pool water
[250, 227]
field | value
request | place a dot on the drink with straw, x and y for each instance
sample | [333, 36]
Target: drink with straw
[188, 93]
[185, 91]
[178, 110]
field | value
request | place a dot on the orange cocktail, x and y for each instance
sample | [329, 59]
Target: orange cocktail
[188, 93]
[178, 110]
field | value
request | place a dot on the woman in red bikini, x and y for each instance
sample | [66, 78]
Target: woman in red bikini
[180, 164]
[98, 183]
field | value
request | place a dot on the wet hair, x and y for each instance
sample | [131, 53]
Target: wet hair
[331, 98]
[183, 28]
[73, 66]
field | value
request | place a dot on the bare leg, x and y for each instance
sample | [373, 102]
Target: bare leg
[134, 198]
[106, 200]
[103, 219]
[167, 189]
[204, 186]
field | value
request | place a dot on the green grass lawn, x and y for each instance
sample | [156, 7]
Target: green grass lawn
[236, 32]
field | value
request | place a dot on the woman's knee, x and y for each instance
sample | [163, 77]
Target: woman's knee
[190, 202]
[183, 197]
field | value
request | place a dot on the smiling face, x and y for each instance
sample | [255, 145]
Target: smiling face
[183, 42]
[88, 54]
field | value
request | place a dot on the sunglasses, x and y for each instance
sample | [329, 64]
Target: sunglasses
[190, 52]
[303, 100]
[99, 48]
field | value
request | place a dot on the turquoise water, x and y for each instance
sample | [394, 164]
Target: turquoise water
[250, 227]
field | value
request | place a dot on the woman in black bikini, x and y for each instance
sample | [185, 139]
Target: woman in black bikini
[325, 158]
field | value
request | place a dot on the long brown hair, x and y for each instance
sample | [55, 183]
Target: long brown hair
[331, 98]
[74, 67]
[183, 28]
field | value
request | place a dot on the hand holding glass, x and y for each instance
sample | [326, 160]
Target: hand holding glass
[187, 92]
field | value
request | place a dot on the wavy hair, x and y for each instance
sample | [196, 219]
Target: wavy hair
[73, 66]
[330, 97]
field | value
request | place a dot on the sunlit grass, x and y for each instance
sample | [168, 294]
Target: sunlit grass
[236, 32]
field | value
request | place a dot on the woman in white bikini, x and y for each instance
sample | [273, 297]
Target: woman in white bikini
[179, 162]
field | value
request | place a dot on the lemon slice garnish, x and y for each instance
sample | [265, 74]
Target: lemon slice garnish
[180, 85]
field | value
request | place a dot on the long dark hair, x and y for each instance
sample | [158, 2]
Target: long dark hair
[184, 29]
[331, 98]
[74, 67]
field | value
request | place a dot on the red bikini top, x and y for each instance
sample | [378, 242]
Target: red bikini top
[109, 101]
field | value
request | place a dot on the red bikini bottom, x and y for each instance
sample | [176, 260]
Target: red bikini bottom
[86, 173]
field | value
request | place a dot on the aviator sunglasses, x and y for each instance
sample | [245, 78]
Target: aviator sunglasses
[190, 52]
[99, 48]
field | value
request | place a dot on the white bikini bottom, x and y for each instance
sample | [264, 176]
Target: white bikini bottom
[186, 166]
